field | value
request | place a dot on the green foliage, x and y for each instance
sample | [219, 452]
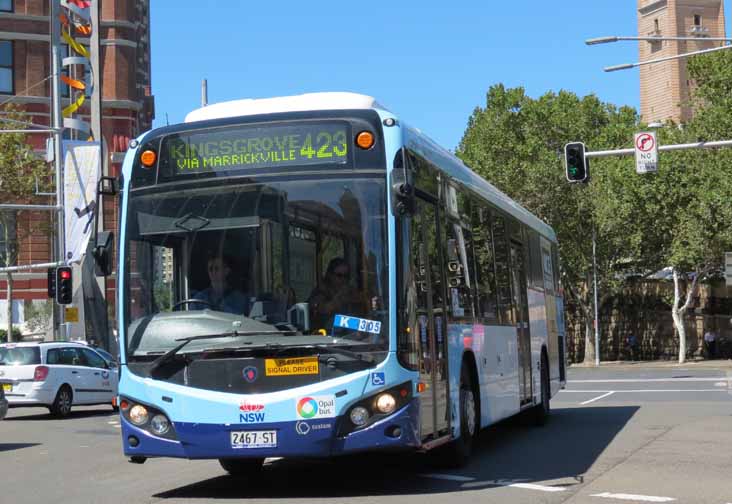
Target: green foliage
[4, 335]
[516, 142]
[20, 167]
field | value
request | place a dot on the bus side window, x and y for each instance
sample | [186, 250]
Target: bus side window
[458, 271]
[503, 270]
[536, 278]
[485, 275]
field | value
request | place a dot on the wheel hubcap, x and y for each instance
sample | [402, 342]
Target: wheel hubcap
[65, 402]
[469, 402]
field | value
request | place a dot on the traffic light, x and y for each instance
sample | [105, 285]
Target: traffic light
[51, 276]
[63, 285]
[577, 166]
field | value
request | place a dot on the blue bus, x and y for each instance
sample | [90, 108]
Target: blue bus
[309, 276]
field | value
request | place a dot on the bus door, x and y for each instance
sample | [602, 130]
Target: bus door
[521, 302]
[431, 322]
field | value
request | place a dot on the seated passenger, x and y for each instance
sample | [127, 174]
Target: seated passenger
[220, 295]
[335, 296]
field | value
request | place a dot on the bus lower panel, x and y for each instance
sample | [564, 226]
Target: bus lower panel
[210, 441]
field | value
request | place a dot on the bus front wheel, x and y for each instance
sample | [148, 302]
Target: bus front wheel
[459, 450]
[242, 466]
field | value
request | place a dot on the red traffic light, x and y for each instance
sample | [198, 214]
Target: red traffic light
[64, 274]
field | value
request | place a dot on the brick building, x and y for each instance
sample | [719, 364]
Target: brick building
[127, 105]
[664, 87]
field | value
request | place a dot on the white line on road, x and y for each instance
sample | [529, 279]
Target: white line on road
[448, 477]
[542, 488]
[644, 380]
[598, 398]
[641, 390]
[643, 498]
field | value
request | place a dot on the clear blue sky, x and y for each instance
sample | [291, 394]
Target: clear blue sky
[431, 62]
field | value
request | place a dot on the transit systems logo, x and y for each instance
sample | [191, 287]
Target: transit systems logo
[251, 413]
[316, 407]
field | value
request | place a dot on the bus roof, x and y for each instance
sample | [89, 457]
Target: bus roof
[297, 103]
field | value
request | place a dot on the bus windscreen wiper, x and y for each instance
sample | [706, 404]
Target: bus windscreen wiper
[168, 356]
[274, 349]
[362, 356]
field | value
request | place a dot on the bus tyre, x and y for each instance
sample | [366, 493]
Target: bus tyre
[541, 411]
[242, 466]
[61, 406]
[458, 451]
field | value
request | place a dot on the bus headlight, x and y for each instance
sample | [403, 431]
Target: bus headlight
[385, 403]
[359, 416]
[138, 414]
[160, 424]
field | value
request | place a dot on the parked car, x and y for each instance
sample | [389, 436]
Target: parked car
[57, 375]
[3, 404]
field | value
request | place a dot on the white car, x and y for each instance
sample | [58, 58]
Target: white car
[57, 375]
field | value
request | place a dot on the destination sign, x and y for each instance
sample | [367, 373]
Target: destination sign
[255, 147]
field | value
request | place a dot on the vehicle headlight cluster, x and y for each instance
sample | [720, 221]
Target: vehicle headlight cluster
[372, 409]
[146, 417]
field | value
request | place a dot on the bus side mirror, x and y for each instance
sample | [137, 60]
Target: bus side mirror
[103, 253]
[403, 199]
[107, 186]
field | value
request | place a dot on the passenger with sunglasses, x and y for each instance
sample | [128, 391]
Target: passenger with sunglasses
[334, 295]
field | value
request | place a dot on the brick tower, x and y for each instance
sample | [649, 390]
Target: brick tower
[664, 87]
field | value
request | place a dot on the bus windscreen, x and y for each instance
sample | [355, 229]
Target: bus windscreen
[255, 146]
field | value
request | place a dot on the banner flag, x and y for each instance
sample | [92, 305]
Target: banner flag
[81, 174]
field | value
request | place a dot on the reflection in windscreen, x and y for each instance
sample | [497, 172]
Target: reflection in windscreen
[268, 252]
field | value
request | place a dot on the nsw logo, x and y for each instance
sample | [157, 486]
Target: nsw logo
[250, 374]
[251, 412]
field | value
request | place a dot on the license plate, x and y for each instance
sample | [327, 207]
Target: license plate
[254, 439]
[8, 387]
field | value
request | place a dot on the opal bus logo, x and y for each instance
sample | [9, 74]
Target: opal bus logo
[316, 407]
[307, 407]
[251, 412]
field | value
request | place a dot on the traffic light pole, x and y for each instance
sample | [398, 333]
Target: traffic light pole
[661, 148]
[58, 124]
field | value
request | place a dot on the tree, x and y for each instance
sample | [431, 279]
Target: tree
[516, 142]
[20, 167]
[679, 217]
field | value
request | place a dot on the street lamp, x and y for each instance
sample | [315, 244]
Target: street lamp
[627, 66]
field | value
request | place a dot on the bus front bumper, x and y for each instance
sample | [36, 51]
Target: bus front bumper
[303, 438]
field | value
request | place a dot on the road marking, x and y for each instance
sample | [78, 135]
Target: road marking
[597, 398]
[640, 380]
[641, 390]
[542, 488]
[448, 477]
[721, 384]
[643, 498]
[113, 423]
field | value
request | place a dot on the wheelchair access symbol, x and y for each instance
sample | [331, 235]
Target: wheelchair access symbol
[378, 379]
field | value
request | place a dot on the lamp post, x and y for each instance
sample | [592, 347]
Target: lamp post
[627, 66]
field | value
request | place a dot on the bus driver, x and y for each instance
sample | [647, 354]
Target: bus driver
[220, 295]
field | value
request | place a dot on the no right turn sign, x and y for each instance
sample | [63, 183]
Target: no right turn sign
[646, 152]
